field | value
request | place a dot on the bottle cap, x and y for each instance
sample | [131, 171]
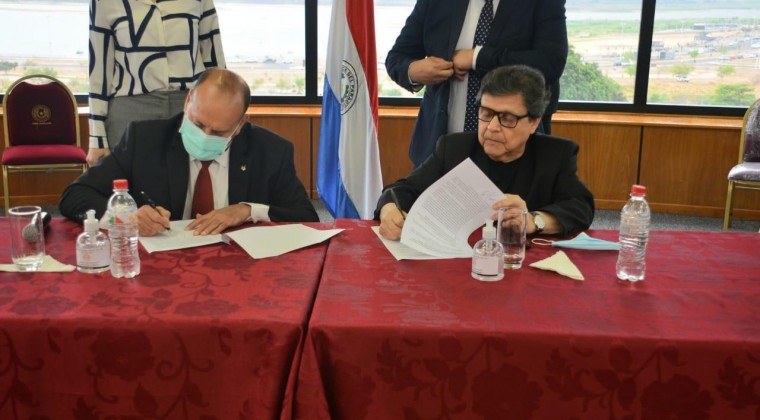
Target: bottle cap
[120, 184]
[639, 190]
[91, 224]
[489, 232]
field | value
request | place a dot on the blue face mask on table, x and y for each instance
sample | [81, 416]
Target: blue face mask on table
[583, 241]
[200, 145]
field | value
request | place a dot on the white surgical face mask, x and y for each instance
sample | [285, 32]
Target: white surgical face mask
[200, 145]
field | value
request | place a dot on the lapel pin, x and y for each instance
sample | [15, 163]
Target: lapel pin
[243, 168]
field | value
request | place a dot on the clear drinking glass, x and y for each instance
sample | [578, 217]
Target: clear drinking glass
[512, 232]
[27, 237]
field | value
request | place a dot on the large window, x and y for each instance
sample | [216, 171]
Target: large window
[685, 56]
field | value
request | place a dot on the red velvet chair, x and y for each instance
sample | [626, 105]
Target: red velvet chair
[41, 127]
[745, 175]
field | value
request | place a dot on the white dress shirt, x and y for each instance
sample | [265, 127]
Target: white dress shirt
[219, 171]
[458, 88]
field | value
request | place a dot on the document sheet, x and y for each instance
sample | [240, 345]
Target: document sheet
[443, 217]
[270, 241]
[177, 238]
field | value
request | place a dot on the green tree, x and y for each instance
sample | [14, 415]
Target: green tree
[585, 82]
[300, 85]
[629, 57]
[630, 70]
[7, 65]
[394, 90]
[726, 70]
[735, 94]
[45, 70]
[681, 69]
[693, 54]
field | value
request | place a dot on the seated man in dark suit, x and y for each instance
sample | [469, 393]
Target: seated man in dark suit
[251, 169]
[535, 171]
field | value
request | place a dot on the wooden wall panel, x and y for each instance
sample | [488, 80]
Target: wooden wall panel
[683, 160]
[608, 159]
[394, 135]
[297, 129]
[685, 171]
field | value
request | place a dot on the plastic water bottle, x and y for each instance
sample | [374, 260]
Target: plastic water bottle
[488, 256]
[123, 231]
[634, 233]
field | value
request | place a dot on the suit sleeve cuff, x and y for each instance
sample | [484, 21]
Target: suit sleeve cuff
[416, 87]
[259, 212]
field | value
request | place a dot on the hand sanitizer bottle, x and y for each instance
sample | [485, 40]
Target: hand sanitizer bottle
[488, 256]
[93, 247]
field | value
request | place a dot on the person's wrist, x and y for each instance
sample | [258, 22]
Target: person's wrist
[387, 207]
[538, 222]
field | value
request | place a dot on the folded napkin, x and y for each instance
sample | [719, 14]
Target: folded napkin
[583, 241]
[49, 265]
[560, 263]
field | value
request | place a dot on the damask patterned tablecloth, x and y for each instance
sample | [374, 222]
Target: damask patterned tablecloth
[423, 340]
[201, 333]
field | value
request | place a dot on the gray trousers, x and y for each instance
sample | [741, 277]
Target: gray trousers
[123, 110]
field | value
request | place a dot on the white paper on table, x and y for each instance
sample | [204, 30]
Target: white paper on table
[177, 238]
[443, 217]
[271, 241]
[401, 251]
[49, 265]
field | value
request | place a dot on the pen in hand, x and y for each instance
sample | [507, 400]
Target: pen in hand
[396, 202]
[152, 204]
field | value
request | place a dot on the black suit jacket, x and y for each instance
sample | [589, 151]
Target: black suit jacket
[152, 158]
[546, 178]
[533, 33]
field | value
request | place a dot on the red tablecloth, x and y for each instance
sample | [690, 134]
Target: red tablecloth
[423, 340]
[203, 333]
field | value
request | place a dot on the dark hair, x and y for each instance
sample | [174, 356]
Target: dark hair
[227, 81]
[518, 80]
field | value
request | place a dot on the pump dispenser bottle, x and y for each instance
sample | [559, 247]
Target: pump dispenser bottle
[488, 256]
[93, 247]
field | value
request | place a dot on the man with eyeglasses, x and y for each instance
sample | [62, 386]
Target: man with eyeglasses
[246, 172]
[536, 172]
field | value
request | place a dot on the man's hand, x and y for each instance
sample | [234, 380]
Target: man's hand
[152, 221]
[391, 222]
[510, 201]
[462, 60]
[431, 71]
[217, 221]
[94, 155]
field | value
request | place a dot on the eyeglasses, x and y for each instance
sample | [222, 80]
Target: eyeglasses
[506, 119]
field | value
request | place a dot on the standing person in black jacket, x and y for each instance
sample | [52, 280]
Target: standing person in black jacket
[439, 48]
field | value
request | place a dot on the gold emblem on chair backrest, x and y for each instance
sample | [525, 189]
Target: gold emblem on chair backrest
[41, 115]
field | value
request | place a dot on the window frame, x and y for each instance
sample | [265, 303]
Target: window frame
[641, 86]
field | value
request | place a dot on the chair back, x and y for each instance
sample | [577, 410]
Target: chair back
[40, 110]
[749, 150]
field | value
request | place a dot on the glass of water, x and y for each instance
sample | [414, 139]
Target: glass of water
[512, 232]
[27, 237]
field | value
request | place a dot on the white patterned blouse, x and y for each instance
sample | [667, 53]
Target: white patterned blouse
[142, 46]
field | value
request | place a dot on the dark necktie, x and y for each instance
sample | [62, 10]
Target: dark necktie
[203, 196]
[473, 80]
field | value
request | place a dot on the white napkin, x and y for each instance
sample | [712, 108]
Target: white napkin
[560, 263]
[49, 265]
